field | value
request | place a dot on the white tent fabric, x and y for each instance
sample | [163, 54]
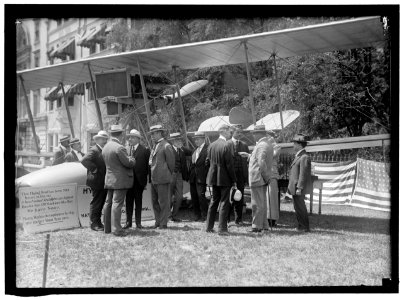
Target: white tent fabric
[213, 124]
[347, 34]
[273, 121]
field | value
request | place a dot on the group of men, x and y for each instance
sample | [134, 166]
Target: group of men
[116, 173]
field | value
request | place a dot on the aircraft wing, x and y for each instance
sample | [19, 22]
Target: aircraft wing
[347, 34]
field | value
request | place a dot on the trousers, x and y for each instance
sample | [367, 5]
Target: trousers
[259, 207]
[176, 194]
[160, 202]
[96, 205]
[301, 211]
[113, 210]
[199, 202]
[273, 201]
[134, 196]
[220, 198]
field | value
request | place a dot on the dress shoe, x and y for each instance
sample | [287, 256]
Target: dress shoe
[272, 222]
[224, 232]
[254, 230]
[97, 227]
[202, 219]
[127, 225]
[197, 219]
[239, 223]
[176, 220]
[138, 226]
[302, 229]
[163, 227]
[120, 233]
[210, 230]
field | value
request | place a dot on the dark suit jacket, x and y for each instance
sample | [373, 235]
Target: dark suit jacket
[72, 157]
[95, 165]
[119, 166]
[59, 156]
[221, 165]
[240, 163]
[300, 174]
[199, 170]
[181, 162]
[141, 168]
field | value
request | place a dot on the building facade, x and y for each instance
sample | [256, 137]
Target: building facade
[42, 42]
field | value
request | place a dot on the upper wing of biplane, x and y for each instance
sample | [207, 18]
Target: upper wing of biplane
[347, 34]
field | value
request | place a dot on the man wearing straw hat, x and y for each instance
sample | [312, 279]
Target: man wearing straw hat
[118, 179]
[300, 181]
[64, 148]
[141, 169]
[181, 174]
[259, 171]
[197, 177]
[221, 178]
[162, 164]
[95, 165]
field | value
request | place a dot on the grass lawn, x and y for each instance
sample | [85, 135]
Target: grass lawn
[347, 246]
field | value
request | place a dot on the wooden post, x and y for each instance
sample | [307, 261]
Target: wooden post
[69, 117]
[31, 119]
[249, 84]
[97, 105]
[45, 262]
[278, 91]
[144, 92]
[181, 106]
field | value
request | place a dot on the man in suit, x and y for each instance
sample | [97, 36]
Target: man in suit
[241, 170]
[197, 177]
[141, 169]
[300, 181]
[118, 179]
[162, 164]
[181, 174]
[60, 154]
[95, 165]
[221, 177]
[259, 171]
[75, 154]
[273, 197]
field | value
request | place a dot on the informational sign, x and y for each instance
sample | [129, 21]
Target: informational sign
[84, 197]
[48, 208]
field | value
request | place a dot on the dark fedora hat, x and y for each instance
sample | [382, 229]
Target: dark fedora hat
[300, 138]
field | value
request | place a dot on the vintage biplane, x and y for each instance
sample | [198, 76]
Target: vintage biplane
[326, 37]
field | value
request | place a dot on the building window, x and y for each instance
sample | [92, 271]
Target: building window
[50, 107]
[90, 95]
[70, 101]
[35, 104]
[36, 59]
[50, 142]
[36, 31]
[93, 48]
[59, 102]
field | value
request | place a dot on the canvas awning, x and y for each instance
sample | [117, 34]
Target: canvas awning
[56, 92]
[65, 48]
[94, 35]
[347, 34]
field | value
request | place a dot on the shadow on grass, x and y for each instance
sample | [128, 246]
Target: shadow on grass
[344, 223]
[183, 228]
[142, 233]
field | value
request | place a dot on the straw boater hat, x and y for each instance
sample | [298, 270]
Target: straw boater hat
[101, 134]
[74, 141]
[175, 136]
[65, 139]
[300, 138]
[237, 126]
[258, 129]
[135, 133]
[199, 134]
[116, 128]
[271, 133]
[223, 127]
[156, 128]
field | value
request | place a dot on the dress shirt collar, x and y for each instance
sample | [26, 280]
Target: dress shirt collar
[222, 137]
[135, 147]
[63, 147]
[261, 140]
[201, 147]
[234, 140]
[99, 146]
